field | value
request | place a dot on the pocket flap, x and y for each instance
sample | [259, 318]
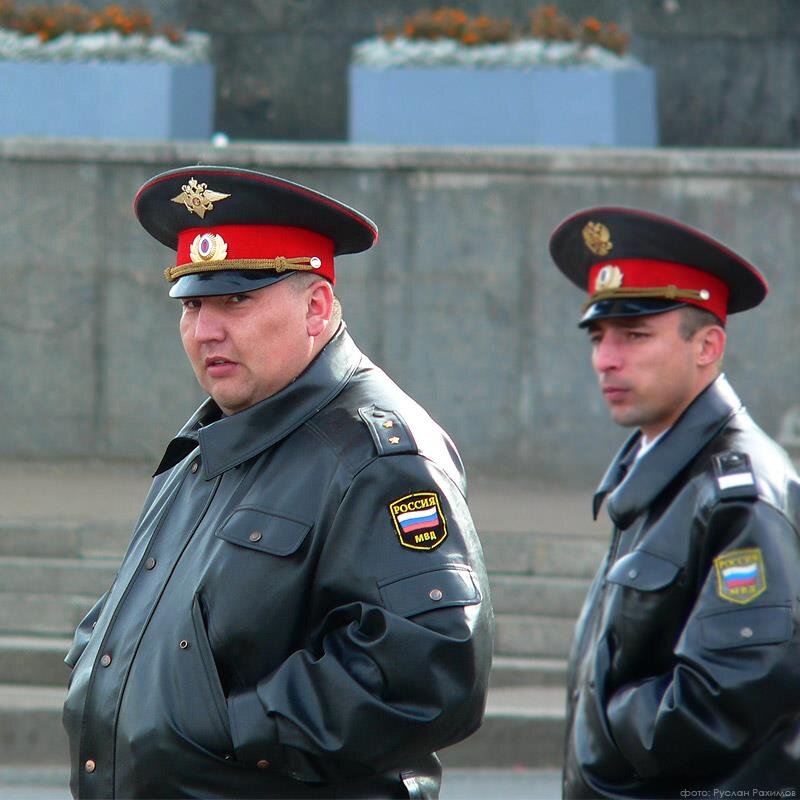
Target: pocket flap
[643, 571]
[426, 591]
[267, 531]
[746, 627]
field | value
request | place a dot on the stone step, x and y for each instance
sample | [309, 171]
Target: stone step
[42, 614]
[30, 726]
[538, 594]
[511, 671]
[34, 660]
[533, 636]
[48, 576]
[40, 660]
[518, 553]
[522, 728]
[64, 540]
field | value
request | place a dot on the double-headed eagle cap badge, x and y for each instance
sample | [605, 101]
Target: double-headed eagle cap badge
[198, 198]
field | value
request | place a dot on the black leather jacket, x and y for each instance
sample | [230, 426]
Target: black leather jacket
[685, 672]
[281, 625]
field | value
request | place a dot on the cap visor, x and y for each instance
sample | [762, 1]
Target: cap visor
[205, 284]
[604, 309]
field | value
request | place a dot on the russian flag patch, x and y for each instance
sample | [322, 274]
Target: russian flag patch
[418, 520]
[741, 576]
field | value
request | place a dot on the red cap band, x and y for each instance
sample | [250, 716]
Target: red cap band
[258, 242]
[663, 278]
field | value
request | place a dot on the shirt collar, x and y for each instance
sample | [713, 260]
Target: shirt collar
[226, 441]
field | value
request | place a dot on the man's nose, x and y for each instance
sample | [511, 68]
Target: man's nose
[606, 355]
[209, 326]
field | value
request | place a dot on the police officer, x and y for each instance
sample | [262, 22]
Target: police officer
[303, 609]
[684, 677]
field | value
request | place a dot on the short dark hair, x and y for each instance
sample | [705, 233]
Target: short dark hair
[693, 319]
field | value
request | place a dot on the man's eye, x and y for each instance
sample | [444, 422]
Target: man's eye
[237, 298]
[190, 305]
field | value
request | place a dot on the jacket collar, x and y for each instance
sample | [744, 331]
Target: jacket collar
[226, 441]
[634, 486]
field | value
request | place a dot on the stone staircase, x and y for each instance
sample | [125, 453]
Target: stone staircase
[51, 573]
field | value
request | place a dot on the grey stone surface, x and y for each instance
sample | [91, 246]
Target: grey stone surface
[459, 301]
[533, 636]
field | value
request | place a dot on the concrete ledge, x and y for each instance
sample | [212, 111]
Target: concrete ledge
[623, 162]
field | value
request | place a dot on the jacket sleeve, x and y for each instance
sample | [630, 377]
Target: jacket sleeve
[399, 647]
[737, 662]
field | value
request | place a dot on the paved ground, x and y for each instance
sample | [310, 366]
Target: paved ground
[458, 784]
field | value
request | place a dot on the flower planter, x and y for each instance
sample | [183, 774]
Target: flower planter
[119, 100]
[569, 106]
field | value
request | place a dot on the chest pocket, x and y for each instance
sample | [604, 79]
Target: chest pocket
[263, 530]
[643, 571]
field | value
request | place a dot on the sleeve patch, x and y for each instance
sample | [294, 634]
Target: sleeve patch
[741, 576]
[419, 521]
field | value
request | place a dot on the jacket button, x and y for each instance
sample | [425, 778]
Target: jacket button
[255, 536]
[183, 644]
[262, 764]
[150, 563]
[105, 660]
[195, 466]
[90, 766]
[746, 633]
[435, 594]
[633, 574]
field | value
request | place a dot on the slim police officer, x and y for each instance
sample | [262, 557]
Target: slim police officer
[303, 609]
[684, 677]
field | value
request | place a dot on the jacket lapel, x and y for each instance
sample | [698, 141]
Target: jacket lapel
[654, 471]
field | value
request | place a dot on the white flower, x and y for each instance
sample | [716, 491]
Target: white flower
[105, 46]
[401, 52]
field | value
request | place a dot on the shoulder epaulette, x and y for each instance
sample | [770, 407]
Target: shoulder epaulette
[734, 476]
[390, 434]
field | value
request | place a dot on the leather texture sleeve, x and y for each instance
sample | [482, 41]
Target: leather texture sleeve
[737, 662]
[400, 634]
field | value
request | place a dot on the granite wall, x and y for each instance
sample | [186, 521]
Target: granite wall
[459, 301]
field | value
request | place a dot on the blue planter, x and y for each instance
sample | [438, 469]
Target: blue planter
[113, 100]
[552, 106]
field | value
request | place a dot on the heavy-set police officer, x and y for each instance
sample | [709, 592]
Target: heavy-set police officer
[303, 609]
[684, 677]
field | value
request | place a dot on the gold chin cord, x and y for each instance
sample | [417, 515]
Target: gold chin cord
[670, 292]
[279, 264]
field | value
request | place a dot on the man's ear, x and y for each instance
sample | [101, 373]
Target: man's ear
[712, 345]
[319, 307]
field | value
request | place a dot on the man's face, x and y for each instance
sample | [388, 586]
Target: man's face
[647, 371]
[246, 347]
